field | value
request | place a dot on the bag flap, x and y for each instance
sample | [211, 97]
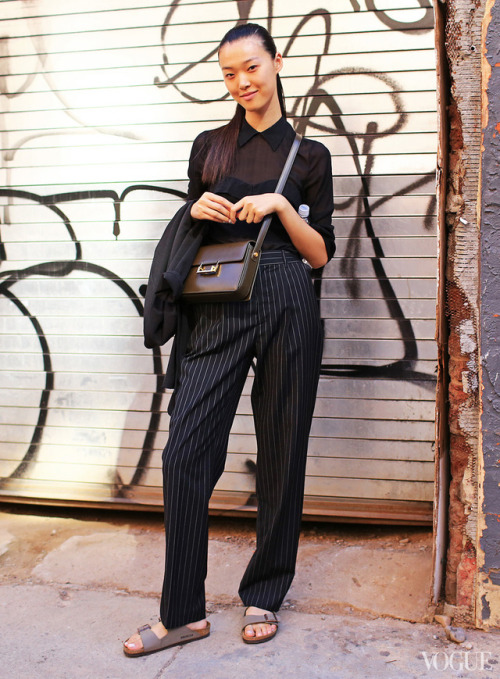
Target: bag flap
[223, 252]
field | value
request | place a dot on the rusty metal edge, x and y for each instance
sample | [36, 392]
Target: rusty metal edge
[441, 468]
[344, 510]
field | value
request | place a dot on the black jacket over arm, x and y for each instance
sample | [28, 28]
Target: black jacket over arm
[172, 260]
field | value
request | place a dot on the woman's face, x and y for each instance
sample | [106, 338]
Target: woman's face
[250, 74]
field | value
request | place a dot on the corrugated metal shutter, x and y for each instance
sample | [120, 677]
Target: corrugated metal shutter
[99, 110]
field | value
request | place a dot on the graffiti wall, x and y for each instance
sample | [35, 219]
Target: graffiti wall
[98, 111]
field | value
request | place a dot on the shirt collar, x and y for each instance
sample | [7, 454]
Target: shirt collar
[273, 135]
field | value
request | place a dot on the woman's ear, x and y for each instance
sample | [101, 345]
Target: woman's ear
[278, 62]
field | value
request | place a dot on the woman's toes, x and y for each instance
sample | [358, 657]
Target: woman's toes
[264, 630]
[133, 643]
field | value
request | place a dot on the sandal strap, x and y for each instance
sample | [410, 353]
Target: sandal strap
[262, 618]
[151, 642]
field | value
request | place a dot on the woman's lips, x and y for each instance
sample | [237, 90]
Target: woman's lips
[248, 95]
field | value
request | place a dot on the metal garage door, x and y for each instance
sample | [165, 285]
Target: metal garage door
[99, 109]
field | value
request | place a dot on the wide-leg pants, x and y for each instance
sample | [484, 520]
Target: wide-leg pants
[280, 327]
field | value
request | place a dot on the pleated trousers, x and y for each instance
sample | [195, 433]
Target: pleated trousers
[280, 328]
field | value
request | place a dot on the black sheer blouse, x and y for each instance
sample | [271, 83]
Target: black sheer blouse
[260, 157]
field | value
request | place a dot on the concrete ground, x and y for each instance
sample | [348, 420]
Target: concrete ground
[74, 584]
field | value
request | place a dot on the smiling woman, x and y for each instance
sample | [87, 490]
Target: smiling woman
[251, 64]
[233, 174]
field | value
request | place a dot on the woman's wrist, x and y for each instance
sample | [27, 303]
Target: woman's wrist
[193, 209]
[283, 205]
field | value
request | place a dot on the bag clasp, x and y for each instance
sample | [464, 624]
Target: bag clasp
[208, 269]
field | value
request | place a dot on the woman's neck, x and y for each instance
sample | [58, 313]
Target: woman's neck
[262, 121]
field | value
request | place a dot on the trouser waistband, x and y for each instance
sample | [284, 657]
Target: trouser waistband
[277, 257]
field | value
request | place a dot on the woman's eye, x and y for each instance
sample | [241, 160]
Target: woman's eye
[252, 68]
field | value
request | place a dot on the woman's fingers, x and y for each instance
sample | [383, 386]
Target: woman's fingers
[212, 207]
[253, 209]
[235, 209]
[246, 210]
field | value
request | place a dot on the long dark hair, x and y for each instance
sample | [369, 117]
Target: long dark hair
[221, 143]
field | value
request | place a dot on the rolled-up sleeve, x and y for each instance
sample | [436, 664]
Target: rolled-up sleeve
[319, 194]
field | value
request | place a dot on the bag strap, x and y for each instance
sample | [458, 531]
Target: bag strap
[279, 189]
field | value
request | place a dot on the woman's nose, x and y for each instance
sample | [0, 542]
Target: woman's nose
[244, 82]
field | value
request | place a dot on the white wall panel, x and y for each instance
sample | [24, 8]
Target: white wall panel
[100, 103]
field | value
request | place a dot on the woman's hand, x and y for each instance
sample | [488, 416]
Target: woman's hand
[307, 240]
[213, 207]
[253, 209]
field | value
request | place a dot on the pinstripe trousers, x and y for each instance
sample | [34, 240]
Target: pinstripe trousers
[280, 327]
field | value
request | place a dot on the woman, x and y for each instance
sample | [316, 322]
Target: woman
[233, 172]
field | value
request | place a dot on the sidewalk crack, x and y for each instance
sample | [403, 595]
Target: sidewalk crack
[168, 663]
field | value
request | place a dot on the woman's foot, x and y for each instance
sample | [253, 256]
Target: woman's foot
[259, 631]
[134, 643]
